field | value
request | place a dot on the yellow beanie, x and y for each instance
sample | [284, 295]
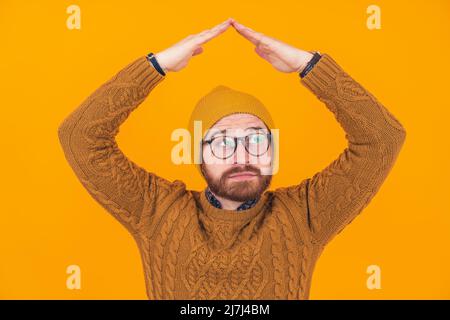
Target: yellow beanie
[218, 103]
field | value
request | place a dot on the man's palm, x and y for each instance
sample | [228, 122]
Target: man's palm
[280, 55]
[177, 56]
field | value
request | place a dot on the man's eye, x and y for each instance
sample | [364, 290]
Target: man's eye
[257, 138]
[226, 142]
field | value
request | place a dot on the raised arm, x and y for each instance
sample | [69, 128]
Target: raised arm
[338, 193]
[333, 197]
[87, 136]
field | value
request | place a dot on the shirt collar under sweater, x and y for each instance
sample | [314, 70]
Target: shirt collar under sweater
[216, 203]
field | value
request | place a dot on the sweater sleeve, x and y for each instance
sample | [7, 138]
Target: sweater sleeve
[87, 136]
[333, 197]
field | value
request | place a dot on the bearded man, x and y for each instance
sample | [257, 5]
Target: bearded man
[236, 239]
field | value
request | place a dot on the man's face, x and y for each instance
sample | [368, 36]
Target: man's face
[232, 171]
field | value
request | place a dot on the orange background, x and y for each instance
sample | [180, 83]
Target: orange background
[48, 221]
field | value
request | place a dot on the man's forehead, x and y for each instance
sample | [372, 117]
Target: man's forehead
[239, 120]
[237, 123]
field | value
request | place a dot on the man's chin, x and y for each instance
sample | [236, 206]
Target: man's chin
[238, 189]
[243, 190]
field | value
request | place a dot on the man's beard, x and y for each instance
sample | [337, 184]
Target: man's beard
[238, 190]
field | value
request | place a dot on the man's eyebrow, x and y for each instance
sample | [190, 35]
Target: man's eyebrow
[225, 130]
[255, 128]
[218, 132]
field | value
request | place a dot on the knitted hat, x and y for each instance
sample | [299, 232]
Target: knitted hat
[218, 103]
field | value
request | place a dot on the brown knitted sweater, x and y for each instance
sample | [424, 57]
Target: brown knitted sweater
[193, 250]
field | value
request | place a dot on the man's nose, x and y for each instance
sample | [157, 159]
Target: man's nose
[240, 155]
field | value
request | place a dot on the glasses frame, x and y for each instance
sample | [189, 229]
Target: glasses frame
[244, 139]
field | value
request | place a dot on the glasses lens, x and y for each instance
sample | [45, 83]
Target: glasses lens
[223, 147]
[258, 144]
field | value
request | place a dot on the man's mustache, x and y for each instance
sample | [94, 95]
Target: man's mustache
[246, 168]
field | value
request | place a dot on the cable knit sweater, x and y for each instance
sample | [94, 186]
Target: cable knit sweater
[193, 250]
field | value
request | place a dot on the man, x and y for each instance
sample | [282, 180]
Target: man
[235, 239]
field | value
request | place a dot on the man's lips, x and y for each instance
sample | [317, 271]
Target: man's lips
[242, 175]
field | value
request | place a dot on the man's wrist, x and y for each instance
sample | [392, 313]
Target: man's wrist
[152, 58]
[310, 65]
[306, 56]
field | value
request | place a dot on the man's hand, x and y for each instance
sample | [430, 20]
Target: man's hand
[177, 56]
[281, 56]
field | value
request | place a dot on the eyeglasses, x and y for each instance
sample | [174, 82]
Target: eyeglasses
[223, 147]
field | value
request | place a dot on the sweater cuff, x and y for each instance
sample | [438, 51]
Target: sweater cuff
[144, 74]
[311, 63]
[323, 75]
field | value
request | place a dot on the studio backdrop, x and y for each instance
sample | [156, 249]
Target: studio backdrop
[57, 242]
